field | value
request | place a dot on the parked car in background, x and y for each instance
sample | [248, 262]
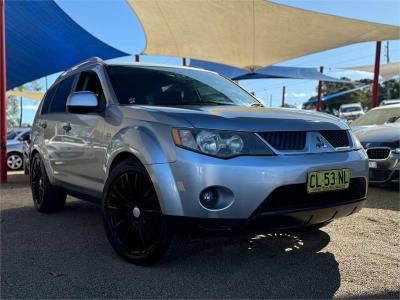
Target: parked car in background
[15, 144]
[389, 102]
[350, 112]
[164, 148]
[379, 133]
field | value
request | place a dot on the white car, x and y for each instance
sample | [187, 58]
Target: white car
[389, 102]
[15, 144]
[350, 112]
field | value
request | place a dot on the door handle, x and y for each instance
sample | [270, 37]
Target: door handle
[43, 124]
[67, 127]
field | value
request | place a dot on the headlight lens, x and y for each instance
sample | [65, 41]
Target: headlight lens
[220, 143]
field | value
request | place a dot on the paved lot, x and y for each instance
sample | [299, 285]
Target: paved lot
[66, 255]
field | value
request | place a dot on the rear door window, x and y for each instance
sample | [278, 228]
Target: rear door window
[47, 99]
[59, 101]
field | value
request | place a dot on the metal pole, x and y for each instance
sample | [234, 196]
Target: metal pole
[318, 106]
[270, 100]
[3, 98]
[20, 111]
[137, 58]
[283, 96]
[387, 62]
[374, 99]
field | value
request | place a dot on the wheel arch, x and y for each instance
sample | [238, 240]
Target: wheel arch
[121, 156]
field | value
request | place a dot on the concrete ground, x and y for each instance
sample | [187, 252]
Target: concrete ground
[66, 255]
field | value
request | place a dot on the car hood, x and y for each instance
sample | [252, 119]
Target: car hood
[246, 118]
[378, 134]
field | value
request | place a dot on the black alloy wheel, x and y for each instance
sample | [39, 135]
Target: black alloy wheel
[37, 184]
[133, 220]
[46, 197]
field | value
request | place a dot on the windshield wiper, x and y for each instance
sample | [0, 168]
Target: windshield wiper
[256, 104]
[205, 103]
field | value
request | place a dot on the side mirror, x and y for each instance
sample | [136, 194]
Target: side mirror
[82, 102]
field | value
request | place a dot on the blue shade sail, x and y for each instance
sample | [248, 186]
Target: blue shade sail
[41, 39]
[235, 73]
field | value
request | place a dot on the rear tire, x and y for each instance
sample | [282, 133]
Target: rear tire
[133, 220]
[46, 197]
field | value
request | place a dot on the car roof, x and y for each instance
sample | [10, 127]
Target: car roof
[19, 128]
[386, 107]
[139, 64]
[93, 61]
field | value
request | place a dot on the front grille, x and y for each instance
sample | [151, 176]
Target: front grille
[378, 153]
[285, 140]
[295, 196]
[337, 138]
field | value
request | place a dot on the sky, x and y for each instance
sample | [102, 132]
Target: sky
[115, 23]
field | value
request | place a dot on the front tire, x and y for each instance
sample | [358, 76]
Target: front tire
[133, 221]
[14, 161]
[46, 197]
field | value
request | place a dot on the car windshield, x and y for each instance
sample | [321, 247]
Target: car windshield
[379, 117]
[350, 109]
[175, 86]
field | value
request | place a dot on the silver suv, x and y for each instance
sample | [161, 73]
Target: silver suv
[163, 147]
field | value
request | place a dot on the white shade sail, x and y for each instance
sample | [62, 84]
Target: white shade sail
[386, 71]
[247, 33]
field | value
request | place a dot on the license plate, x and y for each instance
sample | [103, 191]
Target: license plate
[328, 180]
[373, 164]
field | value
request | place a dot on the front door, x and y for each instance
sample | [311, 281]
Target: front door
[83, 143]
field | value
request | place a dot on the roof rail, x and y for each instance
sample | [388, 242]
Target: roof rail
[89, 61]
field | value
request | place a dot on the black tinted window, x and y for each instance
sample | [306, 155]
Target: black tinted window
[47, 100]
[58, 104]
[89, 81]
[174, 86]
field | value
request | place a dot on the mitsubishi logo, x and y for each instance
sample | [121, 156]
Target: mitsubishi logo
[320, 144]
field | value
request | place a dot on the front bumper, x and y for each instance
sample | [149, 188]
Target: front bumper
[283, 219]
[247, 182]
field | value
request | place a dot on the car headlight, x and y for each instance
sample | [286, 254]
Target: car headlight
[397, 150]
[356, 142]
[220, 143]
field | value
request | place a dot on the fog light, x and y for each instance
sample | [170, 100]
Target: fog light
[209, 198]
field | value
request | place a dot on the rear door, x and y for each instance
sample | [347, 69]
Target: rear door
[52, 112]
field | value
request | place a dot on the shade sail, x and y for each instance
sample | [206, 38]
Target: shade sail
[247, 34]
[387, 71]
[30, 95]
[41, 39]
[263, 73]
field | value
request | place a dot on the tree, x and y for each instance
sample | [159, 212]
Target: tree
[14, 109]
[389, 88]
